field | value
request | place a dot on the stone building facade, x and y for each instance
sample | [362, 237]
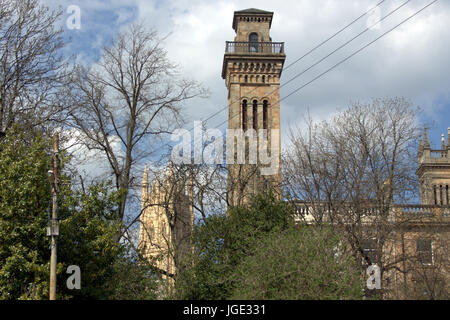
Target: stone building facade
[424, 237]
[416, 237]
[417, 247]
[167, 220]
[434, 172]
[252, 67]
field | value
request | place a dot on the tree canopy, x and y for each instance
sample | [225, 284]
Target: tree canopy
[87, 227]
[257, 252]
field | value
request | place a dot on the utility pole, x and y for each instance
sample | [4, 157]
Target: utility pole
[53, 230]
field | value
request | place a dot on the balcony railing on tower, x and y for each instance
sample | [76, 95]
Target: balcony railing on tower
[254, 47]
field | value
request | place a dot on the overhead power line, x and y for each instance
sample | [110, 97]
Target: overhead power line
[351, 55]
[308, 53]
[345, 44]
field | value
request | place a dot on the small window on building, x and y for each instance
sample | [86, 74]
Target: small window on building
[435, 195]
[253, 39]
[265, 113]
[446, 194]
[244, 115]
[424, 251]
[255, 114]
[369, 247]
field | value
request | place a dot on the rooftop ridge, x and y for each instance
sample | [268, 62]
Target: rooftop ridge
[253, 10]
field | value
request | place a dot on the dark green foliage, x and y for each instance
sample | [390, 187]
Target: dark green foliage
[206, 274]
[223, 241]
[298, 264]
[88, 228]
[24, 199]
[132, 279]
[256, 252]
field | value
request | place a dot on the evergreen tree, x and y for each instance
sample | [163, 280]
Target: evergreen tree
[87, 228]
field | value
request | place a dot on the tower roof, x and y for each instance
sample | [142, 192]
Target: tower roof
[251, 12]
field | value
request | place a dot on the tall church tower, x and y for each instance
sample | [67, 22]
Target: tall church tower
[166, 221]
[252, 67]
[434, 172]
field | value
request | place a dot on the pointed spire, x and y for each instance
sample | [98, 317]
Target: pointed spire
[426, 143]
[145, 177]
[144, 194]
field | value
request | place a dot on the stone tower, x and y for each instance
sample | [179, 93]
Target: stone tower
[434, 172]
[166, 221]
[252, 67]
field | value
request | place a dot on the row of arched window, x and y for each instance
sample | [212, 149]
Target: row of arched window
[441, 195]
[254, 106]
[254, 78]
[253, 19]
[254, 66]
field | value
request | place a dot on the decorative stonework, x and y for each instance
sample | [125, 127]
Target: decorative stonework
[166, 221]
[434, 172]
[252, 69]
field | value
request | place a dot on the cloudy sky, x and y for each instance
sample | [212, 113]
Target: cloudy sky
[412, 61]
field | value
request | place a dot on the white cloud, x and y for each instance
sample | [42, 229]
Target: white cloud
[91, 164]
[412, 61]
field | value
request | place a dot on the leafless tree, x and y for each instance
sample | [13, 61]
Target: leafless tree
[125, 104]
[352, 170]
[427, 258]
[32, 67]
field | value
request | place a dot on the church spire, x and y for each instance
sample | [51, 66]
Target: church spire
[426, 143]
[420, 151]
[144, 184]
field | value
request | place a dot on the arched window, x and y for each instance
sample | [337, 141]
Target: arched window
[435, 195]
[265, 113]
[255, 114]
[446, 195]
[253, 39]
[244, 115]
